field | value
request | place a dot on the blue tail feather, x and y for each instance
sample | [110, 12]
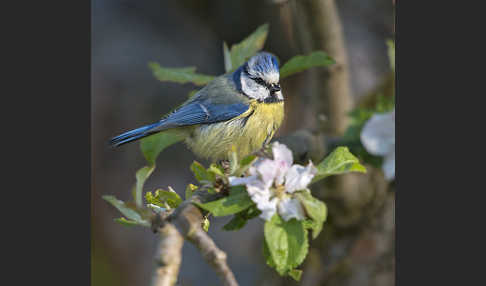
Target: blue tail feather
[133, 135]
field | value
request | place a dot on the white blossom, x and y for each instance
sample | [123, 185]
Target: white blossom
[271, 184]
[378, 138]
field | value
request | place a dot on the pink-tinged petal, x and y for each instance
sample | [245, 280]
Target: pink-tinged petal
[298, 177]
[289, 208]
[389, 166]
[378, 134]
[283, 159]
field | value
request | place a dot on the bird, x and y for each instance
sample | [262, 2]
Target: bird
[239, 111]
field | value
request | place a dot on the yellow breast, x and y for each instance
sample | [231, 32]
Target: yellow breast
[247, 132]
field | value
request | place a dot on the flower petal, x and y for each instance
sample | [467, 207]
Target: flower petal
[389, 166]
[289, 208]
[378, 134]
[268, 208]
[298, 177]
[282, 153]
[283, 159]
[235, 181]
[267, 169]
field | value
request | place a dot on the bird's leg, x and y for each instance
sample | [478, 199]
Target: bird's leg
[264, 152]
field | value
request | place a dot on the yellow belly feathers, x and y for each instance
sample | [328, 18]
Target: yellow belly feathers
[247, 132]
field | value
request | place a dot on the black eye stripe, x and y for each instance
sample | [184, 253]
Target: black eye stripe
[261, 82]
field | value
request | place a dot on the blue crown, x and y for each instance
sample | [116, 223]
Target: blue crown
[263, 62]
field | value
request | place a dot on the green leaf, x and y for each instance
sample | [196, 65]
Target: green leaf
[295, 274]
[201, 174]
[227, 58]
[237, 201]
[126, 222]
[127, 211]
[244, 165]
[268, 255]
[237, 222]
[287, 243]
[205, 224]
[300, 63]
[192, 93]
[141, 175]
[239, 219]
[247, 48]
[151, 146]
[190, 189]
[315, 209]
[215, 170]
[164, 198]
[180, 75]
[340, 161]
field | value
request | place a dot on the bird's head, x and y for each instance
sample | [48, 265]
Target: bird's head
[258, 78]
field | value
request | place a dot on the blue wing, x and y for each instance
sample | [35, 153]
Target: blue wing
[193, 113]
[203, 113]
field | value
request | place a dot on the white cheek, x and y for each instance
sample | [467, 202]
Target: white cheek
[279, 95]
[253, 89]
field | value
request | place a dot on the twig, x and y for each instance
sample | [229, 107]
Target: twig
[188, 218]
[168, 256]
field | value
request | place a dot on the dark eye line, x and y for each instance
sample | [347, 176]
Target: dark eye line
[261, 82]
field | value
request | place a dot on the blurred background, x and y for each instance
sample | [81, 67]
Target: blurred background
[125, 36]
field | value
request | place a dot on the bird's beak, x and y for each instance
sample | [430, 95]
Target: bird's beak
[275, 88]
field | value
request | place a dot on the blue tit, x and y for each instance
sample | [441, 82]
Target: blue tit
[240, 110]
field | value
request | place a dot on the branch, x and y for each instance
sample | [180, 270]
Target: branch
[168, 256]
[188, 218]
[325, 33]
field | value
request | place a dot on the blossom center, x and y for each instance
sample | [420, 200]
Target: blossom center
[279, 191]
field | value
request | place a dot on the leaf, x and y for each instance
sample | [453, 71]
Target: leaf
[141, 176]
[190, 189]
[315, 209]
[227, 58]
[127, 211]
[180, 75]
[164, 198]
[300, 63]
[239, 219]
[215, 170]
[247, 48]
[267, 255]
[201, 174]
[244, 165]
[156, 208]
[205, 224]
[296, 274]
[126, 222]
[340, 161]
[237, 222]
[192, 93]
[151, 146]
[287, 243]
[237, 201]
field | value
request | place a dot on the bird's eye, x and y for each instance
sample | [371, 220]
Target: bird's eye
[260, 81]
